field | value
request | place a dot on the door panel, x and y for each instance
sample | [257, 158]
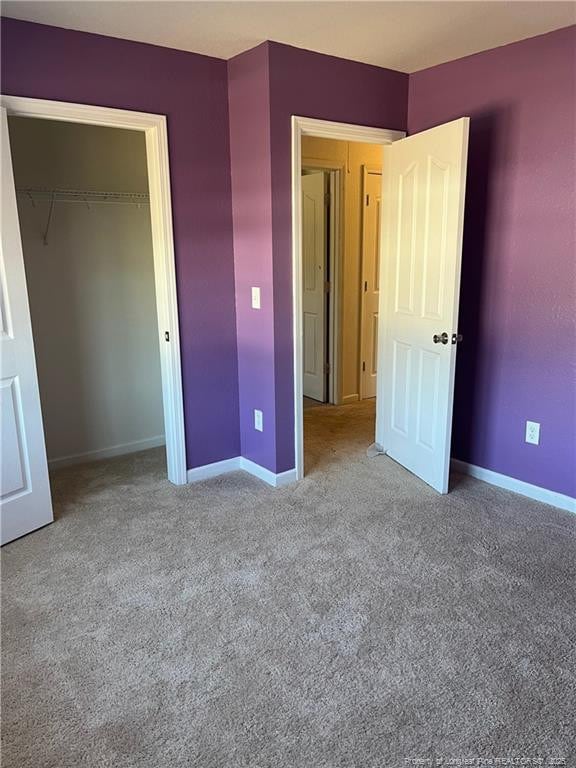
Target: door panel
[401, 381]
[428, 381]
[424, 179]
[437, 200]
[371, 227]
[314, 258]
[14, 474]
[406, 238]
[25, 501]
[311, 357]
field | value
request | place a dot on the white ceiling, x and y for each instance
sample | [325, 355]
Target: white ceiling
[405, 36]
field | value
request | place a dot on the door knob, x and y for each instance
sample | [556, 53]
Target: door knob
[456, 337]
[443, 339]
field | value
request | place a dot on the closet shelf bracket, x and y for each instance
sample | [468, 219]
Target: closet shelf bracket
[50, 212]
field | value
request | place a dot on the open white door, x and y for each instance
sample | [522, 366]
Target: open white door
[25, 500]
[313, 288]
[424, 179]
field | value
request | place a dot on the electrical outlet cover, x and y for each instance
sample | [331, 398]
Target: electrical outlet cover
[533, 432]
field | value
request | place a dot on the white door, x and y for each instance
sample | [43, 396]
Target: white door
[424, 178]
[25, 501]
[314, 285]
[371, 221]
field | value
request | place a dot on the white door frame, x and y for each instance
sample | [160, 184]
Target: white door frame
[155, 130]
[324, 129]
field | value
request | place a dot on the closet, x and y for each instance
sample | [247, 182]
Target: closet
[85, 224]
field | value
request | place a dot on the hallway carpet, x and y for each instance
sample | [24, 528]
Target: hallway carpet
[355, 620]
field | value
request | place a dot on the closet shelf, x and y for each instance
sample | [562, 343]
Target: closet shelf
[82, 196]
[85, 196]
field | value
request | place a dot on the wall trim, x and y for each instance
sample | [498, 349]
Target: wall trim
[156, 135]
[213, 470]
[535, 492]
[350, 399]
[328, 129]
[240, 463]
[107, 453]
[324, 129]
[277, 481]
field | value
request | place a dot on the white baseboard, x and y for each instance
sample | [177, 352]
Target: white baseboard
[283, 478]
[535, 492]
[213, 470]
[350, 399]
[107, 453]
[239, 462]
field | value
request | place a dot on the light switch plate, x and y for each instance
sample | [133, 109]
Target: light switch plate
[258, 420]
[256, 298]
[533, 432]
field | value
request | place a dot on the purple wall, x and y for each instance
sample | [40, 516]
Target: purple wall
[518, 297]
[52, 63]
[519, 281]
[267, 86]
[249, 109]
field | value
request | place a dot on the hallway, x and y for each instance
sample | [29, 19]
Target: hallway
[336, 434]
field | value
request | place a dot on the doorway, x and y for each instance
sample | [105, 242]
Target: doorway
[340, 293]
[411, 292]
[26, 502]
[341, 193]
[333, 245]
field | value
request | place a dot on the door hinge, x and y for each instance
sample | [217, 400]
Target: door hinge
[363, 366]
[367, 199]
[326, 367]
[327, 198]
[365, 285]
[327, 286]
[167, 335]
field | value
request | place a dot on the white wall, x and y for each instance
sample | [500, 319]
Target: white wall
[91, 289]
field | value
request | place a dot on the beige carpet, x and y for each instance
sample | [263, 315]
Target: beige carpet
[355, 620]
[309, 402]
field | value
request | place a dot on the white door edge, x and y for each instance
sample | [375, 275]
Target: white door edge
[25, 495]
[367, 171]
